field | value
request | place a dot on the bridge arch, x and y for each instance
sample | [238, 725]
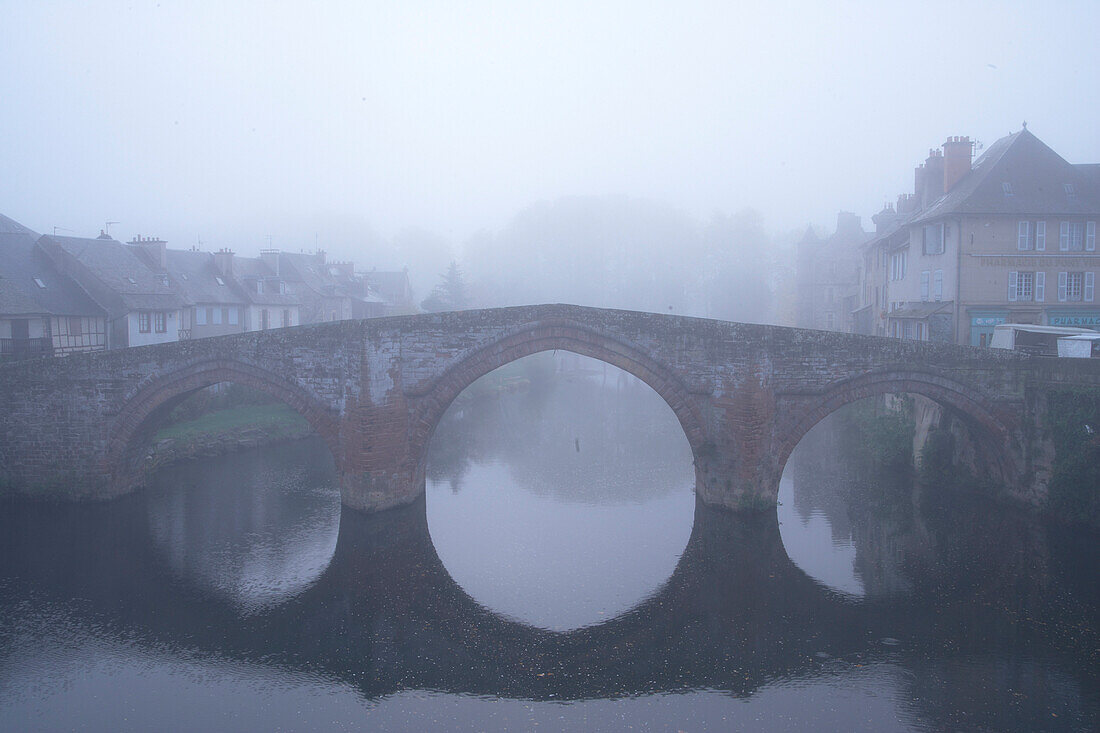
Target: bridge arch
[154, 398]
[996, 427]
[433, 400]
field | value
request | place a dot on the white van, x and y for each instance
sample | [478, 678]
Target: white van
[1037, 340]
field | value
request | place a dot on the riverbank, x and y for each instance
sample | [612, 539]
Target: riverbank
[226, 431]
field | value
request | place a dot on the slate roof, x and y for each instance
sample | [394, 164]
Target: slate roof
[250, 269]
[195, 278]
[391, 285]
[118, 269]
[20, 263]
[1036, 176]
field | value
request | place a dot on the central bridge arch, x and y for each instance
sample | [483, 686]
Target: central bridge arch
[152, 401]
[433, 399]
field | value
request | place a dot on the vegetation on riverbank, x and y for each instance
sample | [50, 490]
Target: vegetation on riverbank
[1073, 416]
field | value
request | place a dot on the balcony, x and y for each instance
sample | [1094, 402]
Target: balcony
[22, 349]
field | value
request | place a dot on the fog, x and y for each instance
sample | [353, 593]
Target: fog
[562, 139]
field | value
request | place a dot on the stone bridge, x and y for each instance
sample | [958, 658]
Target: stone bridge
[745, 394]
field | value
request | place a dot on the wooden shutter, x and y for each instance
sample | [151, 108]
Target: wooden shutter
[1012, 286]
[1090, 284]
[1063, 278]
[1041, 236]
[1040, 286]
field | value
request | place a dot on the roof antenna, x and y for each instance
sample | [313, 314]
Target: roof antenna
[107, 227]
[60, 229]
[1025, 124]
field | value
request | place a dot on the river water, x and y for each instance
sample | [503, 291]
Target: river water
[558, 575]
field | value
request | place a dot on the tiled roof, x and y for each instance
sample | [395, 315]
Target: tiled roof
[119, 270]
[1019, 174]
[195, 278]
[20, 264]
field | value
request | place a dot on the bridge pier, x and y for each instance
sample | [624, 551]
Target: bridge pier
[726, 477]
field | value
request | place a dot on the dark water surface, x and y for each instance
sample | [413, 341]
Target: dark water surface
[558, 576]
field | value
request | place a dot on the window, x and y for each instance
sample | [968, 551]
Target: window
[1070, 190]
[234, 318]
[76, 326]
[216, 316]
[143, 322]
[263, 320]
[219, 280]
[1027, 286]
[1071, 285]
[1006, 187]
[39, 283]
[920, 331]
[1023, 235]
[259, 286]
[1076, 286]
[1040, 236]
[200, 316]
[161, 321]
[933, 239]
[1090, 236]
[898, 265]
[286, 317]
[1071, 236]
[132, 281]
[937, 284]
[909, 329]
[924, 280]
[282, 288]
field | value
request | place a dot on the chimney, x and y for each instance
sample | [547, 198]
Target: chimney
[932, 179]
[957, 152]
[847, 223]
[223, 262]
[270, 257]
[907, 202]
[155, 249]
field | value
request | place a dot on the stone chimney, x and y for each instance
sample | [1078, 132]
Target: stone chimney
[885, 219]
[223, 262]
[957, 152]
[931, 179]
[907, 202]
[848, 223]
[270, 257]
[155, 250]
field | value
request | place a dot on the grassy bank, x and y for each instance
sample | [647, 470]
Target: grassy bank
[275, 419]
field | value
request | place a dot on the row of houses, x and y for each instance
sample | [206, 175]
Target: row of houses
[1007, 238]
[59, 294]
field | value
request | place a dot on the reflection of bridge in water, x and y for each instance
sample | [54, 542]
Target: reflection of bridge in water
[385, 616]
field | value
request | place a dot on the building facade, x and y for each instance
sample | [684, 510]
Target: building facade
[1009, 238]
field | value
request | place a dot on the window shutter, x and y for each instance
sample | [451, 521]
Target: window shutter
[1090, 284]
[1041, 236]
[1012, 287]
[1090, 237]
[1063, 237]
[937, 284]
[1062, 279]
[924, 285]
[1022, 231]
[1040, 286]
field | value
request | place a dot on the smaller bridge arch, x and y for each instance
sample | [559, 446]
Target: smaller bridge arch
[433, 398]
[996, 433]
[154, 398]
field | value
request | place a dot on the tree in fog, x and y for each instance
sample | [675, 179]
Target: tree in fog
[449, 294]
[600, 251]
[736, 268]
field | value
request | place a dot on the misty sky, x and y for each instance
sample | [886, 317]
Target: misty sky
[324, 122]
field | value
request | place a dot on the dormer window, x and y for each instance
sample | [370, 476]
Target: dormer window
[1070, 190]
[39, 283]
[1007, 188]
[282, 288]
[259, 286]
[220, 281]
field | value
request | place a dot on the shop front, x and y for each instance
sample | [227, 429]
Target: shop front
[1080, 317]
[982, 323]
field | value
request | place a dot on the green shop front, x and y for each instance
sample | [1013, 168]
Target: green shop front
[982, 323]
